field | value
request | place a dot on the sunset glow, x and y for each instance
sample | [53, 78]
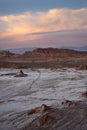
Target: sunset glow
[40, 27]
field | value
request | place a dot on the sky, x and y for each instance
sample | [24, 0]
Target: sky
[43, 23]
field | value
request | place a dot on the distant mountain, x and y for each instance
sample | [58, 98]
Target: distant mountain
[83, 48]
[53, 50]
[21, 50]
[26, 49]
[78, 48]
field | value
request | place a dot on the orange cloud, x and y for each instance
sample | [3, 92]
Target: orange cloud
[51, 20]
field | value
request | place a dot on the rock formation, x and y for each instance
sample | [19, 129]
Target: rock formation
[84, 94]
[44, 57]
[40, 109]
[82, 67]
[20, 74]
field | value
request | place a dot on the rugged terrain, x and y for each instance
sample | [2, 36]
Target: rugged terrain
[45, 99]
[49, 93]
[43, 57]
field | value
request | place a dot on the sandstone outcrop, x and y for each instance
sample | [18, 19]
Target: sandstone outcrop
[40, 109]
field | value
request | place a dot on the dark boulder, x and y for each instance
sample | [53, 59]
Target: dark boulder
[84, 94]
[82, 67]
[20, 74]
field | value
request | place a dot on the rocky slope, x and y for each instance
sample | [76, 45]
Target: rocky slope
[68, 116]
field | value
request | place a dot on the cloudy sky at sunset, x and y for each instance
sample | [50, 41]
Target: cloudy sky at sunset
[43, 23]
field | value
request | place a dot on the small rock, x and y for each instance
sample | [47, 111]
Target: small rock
[44, 108]
[82, 67]
[40, 109]
[68, 103]
[84, 94]
[20, 74]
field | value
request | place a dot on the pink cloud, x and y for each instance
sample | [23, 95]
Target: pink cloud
[30, 27]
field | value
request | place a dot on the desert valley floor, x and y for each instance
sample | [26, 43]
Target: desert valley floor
[41, 86]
